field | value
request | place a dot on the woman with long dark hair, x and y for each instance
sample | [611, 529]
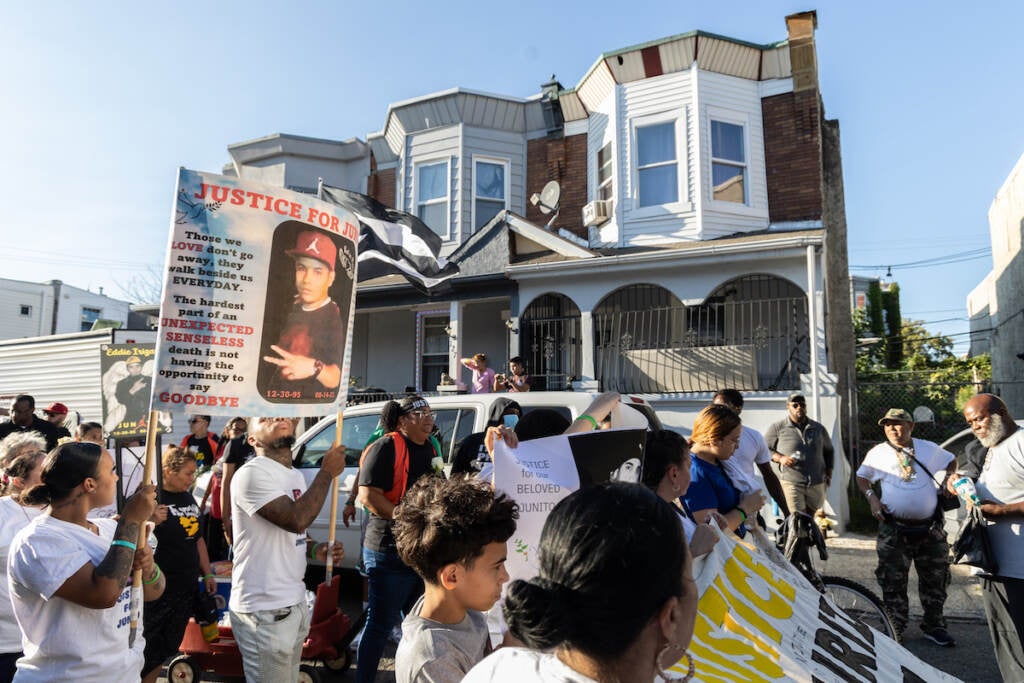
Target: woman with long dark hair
[615, 598]
[69, 575]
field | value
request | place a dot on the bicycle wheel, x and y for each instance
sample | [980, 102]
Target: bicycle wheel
[859, 602]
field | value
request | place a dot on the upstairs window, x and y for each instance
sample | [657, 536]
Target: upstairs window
[604, 172]
[432, 196]
[89, 316]
[728, 163]
[490, 193]
[657, 169]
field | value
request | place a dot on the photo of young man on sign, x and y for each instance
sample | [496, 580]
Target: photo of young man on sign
[304, 333]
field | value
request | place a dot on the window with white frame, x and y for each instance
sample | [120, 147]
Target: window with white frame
[490, 190]
[605, 164]
[656, 164]
[728, 163]
[432, 195]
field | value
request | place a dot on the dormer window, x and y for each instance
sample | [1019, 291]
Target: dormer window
[490, 190]
[728, 163]
[432, 195]
[657, 165]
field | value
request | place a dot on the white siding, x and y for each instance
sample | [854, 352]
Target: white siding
[669, 95]
[603, 125]
[38, 297]
[497, 145]
[735, 100]
[63, 368]
[73, 299]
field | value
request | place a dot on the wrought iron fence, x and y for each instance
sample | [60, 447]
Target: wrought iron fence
[748, 345]
[551, 348]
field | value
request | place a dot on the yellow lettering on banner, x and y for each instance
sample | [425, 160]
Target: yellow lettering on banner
[733, 649]
[714, 605]
[744, 610]
[740, 554]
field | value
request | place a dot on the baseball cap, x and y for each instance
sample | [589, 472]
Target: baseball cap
[134, 360]
[317, 245]
[796, 398]
[896, 415]
[56, 409]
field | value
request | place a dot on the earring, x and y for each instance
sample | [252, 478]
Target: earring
[666, 674]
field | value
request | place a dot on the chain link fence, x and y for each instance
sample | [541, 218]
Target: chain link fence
[936, 408]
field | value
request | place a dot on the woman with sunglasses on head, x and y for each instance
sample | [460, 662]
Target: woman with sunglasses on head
[21, 454]
[615, 598]
[389, 466]
[70, 576]
[182, 556]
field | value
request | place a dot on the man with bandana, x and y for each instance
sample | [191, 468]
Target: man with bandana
[911, 527]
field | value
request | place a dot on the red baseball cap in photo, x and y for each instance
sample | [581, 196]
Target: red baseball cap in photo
[56, 409]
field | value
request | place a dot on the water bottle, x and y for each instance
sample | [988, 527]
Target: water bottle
[964, 487]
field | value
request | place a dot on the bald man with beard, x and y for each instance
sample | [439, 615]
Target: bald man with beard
[1001, 490]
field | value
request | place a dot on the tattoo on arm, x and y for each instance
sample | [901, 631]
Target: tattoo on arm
[117, 564]
[297, 515]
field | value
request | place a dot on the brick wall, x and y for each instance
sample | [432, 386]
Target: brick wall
[792, 148]
[565, 160]
[381, 186]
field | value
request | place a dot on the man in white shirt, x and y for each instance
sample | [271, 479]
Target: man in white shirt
[271, 510]
[752, 451]
[911, 528]
[1001, 490]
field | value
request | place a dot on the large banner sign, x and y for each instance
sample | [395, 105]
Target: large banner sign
[258, 301]
[126, 377]
[758, 620]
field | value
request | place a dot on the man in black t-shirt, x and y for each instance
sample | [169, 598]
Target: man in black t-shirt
[23, 419]
[309, 350]
[393, 586]
[201, 441]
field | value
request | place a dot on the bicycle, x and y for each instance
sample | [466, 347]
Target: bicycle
[794, 538]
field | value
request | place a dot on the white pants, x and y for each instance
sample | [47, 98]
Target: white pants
[271, 642]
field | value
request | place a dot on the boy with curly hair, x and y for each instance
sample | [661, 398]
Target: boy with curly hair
[453, 533]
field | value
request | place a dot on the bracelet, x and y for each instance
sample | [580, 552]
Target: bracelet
[351, 503]
[589, 419]
[124, 544]
[156, 576]
[312, 551]
[209, 576]
[742, 514]
[869, 493]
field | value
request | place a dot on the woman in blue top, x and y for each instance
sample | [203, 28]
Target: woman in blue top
[716, 433]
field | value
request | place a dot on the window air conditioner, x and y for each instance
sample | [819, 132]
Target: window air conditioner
[597, 212]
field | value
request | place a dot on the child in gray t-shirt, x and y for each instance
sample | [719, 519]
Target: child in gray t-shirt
[453, 534]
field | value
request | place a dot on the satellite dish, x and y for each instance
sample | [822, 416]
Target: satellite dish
[547, 200]
[923, 414]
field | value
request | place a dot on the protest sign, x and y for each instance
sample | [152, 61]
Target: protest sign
[258, 301]
[541, 472]
[126, 378]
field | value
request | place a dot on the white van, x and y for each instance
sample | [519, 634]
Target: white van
[456, 416]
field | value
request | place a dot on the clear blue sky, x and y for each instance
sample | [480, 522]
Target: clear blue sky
[102, 101]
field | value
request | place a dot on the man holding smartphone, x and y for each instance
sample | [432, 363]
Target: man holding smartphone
[472, 454]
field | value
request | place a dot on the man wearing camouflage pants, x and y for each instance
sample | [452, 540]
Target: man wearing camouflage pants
[911, 527]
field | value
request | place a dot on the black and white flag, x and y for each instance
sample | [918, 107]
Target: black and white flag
[394, 242]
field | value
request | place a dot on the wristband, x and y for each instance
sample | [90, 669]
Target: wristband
[124, 544]
[156, 576]
[312, 551]
[209, 576]
[589, 419]
[350, 502]
[869, 493]
[742, 514]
